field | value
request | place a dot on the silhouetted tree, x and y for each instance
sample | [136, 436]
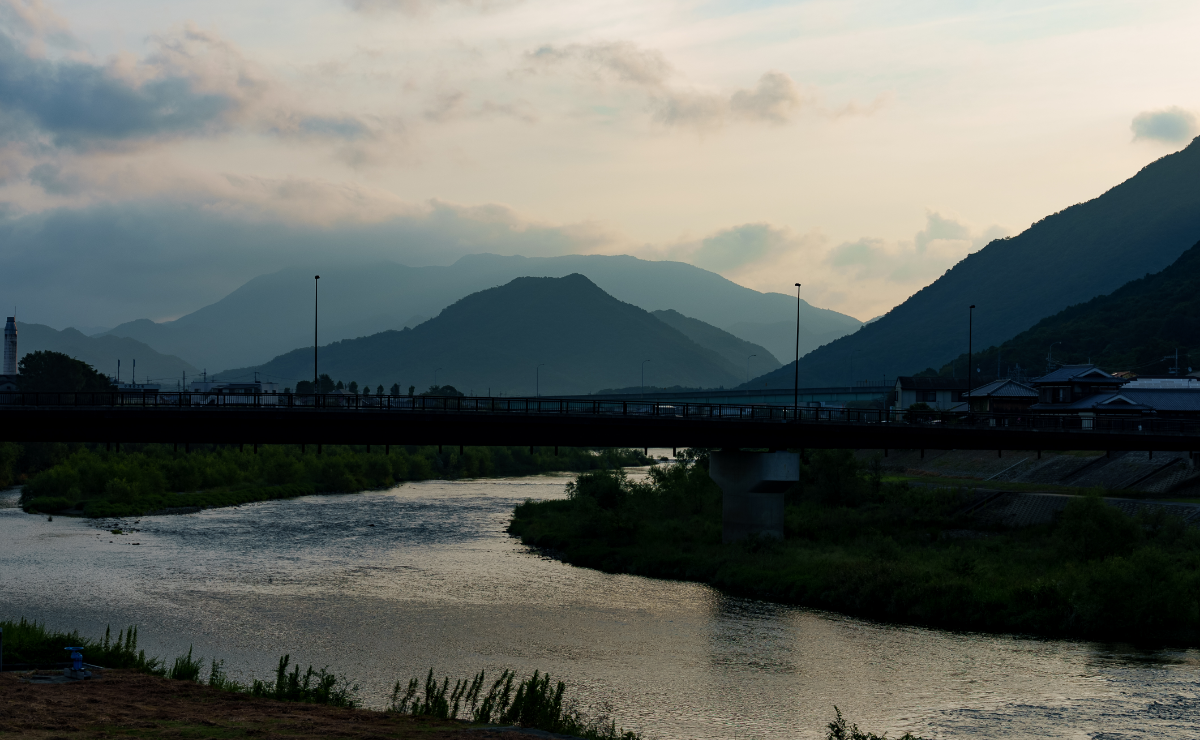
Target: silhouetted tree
[54, 371]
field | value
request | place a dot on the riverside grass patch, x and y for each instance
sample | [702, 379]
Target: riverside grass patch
[860, 545]
[155, 478]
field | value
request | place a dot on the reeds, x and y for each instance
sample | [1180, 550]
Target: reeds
[536, 703]
[312, 687]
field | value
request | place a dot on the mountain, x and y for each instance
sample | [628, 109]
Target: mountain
[1089, 249]
[737, 351]
[1133, 328]
[495, 340]
[103, 352]
[273, 313]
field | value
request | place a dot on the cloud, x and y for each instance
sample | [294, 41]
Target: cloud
[193, 85]
[110, 263]
[620, 61]
[424, 7]
[1172, 125]
[775, 98]
[933, 250]
[454, 105]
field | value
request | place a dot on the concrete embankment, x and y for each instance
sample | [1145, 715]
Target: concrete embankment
[1159, 474]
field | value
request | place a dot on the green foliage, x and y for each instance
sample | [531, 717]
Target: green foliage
[46, 371]
[32, 642]
[311, 687]
[96, 483]
[442, 390]
[840, 729]
[537, 703]
[186, 668]
[857, 544]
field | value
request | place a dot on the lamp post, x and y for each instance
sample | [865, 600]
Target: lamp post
[748, 367]
[970, 339]
[537, 379]
[316, 296]
[643, 396]
[796, 380]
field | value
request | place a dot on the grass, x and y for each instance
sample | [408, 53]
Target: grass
[535, 702]
[156, 478]
[863, 546]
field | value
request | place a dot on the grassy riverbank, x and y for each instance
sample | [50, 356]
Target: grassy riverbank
[92, 482]
[534, 702]
[858, 544]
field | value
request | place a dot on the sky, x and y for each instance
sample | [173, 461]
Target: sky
[155, 155]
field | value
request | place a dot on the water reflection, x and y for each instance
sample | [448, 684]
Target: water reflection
[383, 585]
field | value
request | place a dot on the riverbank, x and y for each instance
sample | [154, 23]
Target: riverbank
[145, 479]
[131, 704]
[862, 546]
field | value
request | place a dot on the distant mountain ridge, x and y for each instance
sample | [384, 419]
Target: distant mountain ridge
[1086, 250]
[103, 352]
[565, 331]
[273, 314]
[734, 349]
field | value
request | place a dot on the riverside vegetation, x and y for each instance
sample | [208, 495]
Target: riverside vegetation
[88, 481]
[536, 702]
[860, 545]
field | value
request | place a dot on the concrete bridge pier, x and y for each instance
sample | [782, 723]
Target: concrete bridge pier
[752, 486]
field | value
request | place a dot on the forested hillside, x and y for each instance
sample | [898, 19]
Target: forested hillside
[1133, 328]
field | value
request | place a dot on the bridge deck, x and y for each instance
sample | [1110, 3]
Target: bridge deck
[296, 419]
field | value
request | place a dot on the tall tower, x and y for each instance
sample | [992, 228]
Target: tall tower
[10, 346]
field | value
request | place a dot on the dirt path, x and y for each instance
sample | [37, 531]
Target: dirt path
[125, 704]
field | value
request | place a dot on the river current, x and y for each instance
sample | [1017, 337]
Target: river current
[383, 585]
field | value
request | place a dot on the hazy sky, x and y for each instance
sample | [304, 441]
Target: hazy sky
[861, 148]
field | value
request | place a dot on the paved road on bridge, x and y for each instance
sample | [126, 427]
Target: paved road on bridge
[401, 420]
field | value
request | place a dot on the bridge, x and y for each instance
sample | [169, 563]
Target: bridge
[227, 418]
[752, 482]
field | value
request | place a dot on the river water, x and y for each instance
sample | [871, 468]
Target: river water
[382, 586]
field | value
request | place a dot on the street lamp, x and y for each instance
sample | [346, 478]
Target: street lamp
[796, 380]
[316, 378]
[970, 339]
[644, 378]
[748, 367]
[537, 379]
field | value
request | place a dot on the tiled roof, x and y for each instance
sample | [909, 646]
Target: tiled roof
[1003, 388]
[910, 383]
[1132, 399]
[1068, 373]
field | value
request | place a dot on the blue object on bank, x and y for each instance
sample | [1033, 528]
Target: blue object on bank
[76, 658]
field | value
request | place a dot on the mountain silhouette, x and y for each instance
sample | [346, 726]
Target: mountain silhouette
[1089, 249]
[566, 331]
[273, 313]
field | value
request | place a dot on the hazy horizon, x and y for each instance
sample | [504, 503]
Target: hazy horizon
[160, 155]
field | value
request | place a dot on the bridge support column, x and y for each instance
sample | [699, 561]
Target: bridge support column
[752, 486]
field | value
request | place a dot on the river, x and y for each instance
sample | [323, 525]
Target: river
[383, 585]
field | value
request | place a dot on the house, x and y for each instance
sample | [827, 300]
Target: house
[1070, 384]
[940, 394]
[1088, 392]
[1002, 396]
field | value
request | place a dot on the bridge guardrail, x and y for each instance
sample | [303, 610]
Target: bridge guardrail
[596, 408]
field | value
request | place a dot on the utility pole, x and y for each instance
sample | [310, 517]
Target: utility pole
[796, 379]
[316, 316]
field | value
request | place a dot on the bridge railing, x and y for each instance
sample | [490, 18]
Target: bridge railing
[599, 408]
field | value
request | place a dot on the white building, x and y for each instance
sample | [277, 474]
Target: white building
[8, 379]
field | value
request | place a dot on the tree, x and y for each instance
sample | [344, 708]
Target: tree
[353, 388]
[442, 390]
[54, 371]
[379, 390]
[395, 389]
